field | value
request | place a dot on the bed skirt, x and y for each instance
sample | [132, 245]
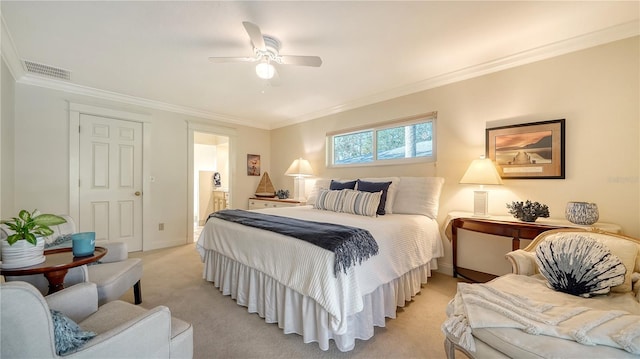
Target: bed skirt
[296, 313]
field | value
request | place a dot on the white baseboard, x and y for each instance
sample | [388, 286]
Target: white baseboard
[163, 244]
[445, 268]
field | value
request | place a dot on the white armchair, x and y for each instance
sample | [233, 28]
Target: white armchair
[529, 288]
[123, 330]
[115, 274]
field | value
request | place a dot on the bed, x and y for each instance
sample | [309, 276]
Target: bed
[292, 282]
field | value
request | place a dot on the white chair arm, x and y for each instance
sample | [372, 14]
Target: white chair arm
[116, 251]
[76, 302]
[123, 341]
[76, 275]
[522, 262]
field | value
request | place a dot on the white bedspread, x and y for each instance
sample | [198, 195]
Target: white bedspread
[526, 303]
[405, 242]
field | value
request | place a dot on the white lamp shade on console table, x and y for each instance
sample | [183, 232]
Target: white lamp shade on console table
[481, 172]
[299, 169]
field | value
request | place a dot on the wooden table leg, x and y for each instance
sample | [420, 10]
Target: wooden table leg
[56, 280]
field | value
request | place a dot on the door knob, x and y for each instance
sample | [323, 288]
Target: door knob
[138, 193]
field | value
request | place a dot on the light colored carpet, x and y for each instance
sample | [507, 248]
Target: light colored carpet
[223, 329]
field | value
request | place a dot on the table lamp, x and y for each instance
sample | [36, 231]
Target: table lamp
[299, 169]
[482, 172]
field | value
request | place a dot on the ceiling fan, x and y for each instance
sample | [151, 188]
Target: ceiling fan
[266, 50]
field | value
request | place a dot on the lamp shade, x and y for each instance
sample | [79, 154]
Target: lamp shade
[481, 171]
[299, 168]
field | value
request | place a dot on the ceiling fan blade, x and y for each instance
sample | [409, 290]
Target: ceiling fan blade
[232, 59]
[314, 61]
[255, 35]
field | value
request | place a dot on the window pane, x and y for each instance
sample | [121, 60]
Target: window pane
[405, 141]
[353, 148]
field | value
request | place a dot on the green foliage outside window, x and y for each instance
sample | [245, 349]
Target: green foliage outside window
[353, 147]
[406, 141]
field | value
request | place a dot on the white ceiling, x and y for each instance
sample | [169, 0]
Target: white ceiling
[155, 54]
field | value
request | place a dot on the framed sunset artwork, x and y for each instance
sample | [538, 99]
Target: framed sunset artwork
[531, 150]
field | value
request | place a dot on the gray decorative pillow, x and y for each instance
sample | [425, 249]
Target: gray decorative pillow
[68, 335]
[579, 265]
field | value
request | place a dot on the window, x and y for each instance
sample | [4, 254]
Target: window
[399, 141]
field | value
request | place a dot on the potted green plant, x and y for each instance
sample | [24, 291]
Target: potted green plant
[28, 226]
[25, 246]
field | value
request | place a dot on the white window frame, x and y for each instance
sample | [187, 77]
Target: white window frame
[422, 118]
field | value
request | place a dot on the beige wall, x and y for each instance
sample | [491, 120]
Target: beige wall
[595, 90]
[7, 93]
[42, 161]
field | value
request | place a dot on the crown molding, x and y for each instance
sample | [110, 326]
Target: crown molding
[59, 85]
[558, 48]
[9, 52]
[12, 59]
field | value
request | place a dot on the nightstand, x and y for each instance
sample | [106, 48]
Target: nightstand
[487, 231]
[257, 203]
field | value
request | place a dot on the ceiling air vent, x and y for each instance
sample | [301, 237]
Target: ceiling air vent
[46, 70]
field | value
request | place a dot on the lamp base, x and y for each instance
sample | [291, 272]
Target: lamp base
[480, 204]
[298, 189]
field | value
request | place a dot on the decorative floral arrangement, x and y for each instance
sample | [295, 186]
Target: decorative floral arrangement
[282, 193]
[528, 211]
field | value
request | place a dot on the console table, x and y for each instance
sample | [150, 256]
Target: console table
[504, 226]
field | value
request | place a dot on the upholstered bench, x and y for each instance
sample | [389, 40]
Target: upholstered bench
[113, 275]
[573, 294]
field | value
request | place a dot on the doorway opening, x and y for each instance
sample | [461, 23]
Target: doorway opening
[211, 177]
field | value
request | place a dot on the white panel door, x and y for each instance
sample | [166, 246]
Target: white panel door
[111, 179]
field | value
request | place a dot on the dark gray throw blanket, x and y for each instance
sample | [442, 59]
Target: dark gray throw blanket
[349, 244]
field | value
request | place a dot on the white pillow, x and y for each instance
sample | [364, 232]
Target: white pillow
[418, 195]
[391, 192]
[359, 202]
[329, 200]
[321, 183]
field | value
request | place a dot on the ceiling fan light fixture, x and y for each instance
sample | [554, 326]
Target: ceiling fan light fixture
[265, 70]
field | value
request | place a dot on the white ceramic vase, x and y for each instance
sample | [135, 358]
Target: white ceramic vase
[22, 253]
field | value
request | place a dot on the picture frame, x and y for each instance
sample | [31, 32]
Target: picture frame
[528, 151]
[253, 165]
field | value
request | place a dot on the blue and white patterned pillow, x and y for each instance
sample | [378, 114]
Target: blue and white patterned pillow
[329, 200]
[362, 203]
[579, 265]
[68, 335]
[376, 187]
